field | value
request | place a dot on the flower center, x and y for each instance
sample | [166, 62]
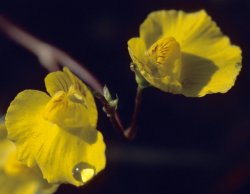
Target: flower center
[164, 51]
[165, 57]
[67, 109]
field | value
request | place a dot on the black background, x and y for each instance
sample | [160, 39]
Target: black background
[184, 145]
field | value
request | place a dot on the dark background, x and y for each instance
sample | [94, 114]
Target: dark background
[184, 145]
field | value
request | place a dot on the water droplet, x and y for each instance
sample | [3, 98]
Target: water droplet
[83, 172]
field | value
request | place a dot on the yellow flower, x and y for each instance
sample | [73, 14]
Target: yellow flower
[185, 53]
[15, 177]
[57, 132]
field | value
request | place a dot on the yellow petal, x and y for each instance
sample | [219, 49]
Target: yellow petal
[16, 178]
[69, 114]
[13, 186]
[55, 150]
[22, 114]
[210, 63]
[6, 147]
[138, 53]
[61, 81]
[186, 28]
[70, 156]
[10, 185]
[69, 92]
[196, 74]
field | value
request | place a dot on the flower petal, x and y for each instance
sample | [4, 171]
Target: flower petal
[196, 74]
[186, 28]
[137, 49]
[64, 152]
[61, 81]
[16, 178]
[55, 150]
[13, 186]
[201, 76]
[66, 81]
[70, 114]
[23, 114]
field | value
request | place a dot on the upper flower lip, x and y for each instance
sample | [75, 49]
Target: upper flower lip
[72, 105]
[209, 64]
